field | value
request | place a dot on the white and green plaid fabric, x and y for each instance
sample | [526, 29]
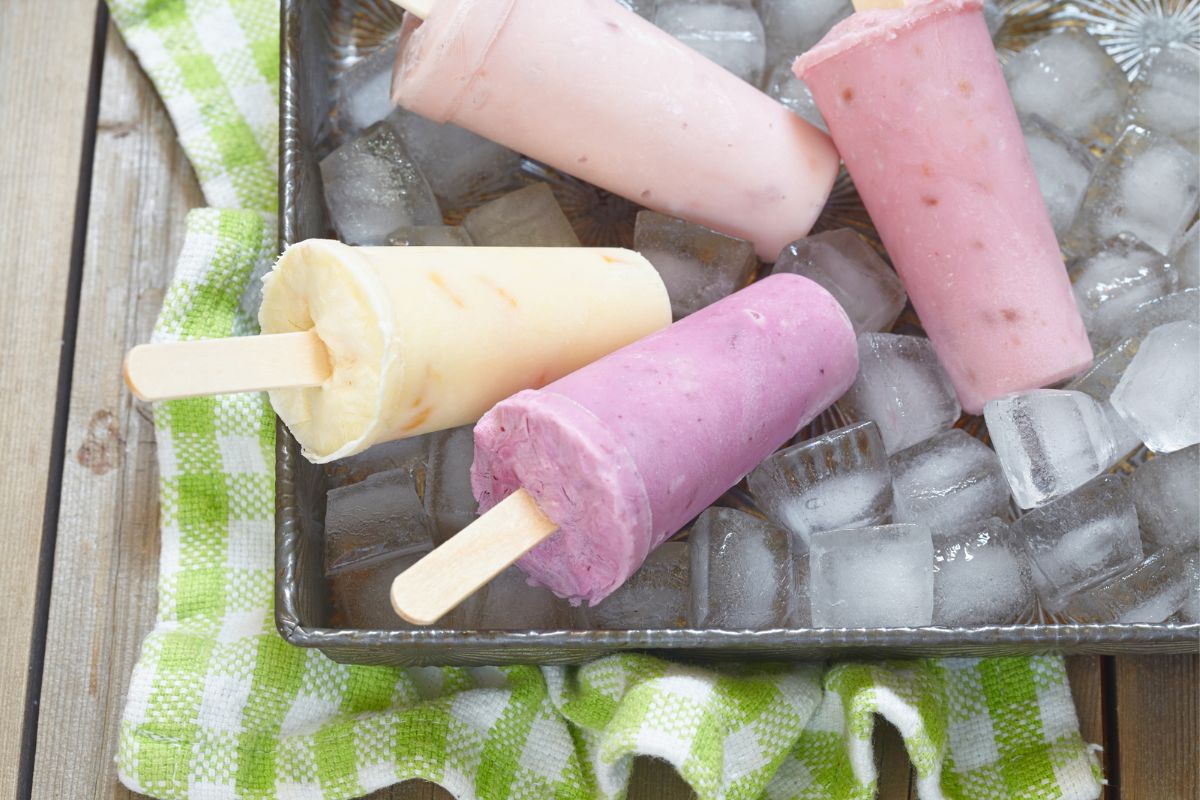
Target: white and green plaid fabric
[220, 707]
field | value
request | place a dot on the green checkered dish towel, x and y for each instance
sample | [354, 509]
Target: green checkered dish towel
[220, 707]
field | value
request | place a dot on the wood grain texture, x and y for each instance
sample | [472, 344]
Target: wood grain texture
[43, 102]
[106, 562]
[896, 777]
[1158, 727]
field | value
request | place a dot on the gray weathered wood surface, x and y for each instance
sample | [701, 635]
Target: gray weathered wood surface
[76, 625]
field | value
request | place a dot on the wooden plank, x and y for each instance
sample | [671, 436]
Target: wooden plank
[1158, 727]
[896, 775]
[1087, 688]
[45, 86]
[106, 561]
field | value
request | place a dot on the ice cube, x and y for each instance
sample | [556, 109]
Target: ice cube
[375, 518]
[852, 272]
[362, 95]
[1166, 492]
[902, 387]
[528, 217]
[1049, 442]
[1081, 539]
[1182, 306]
[742, 572]
[1111, 282]
[656, 596]
[699, 266]
[1159, 394]
[948, 482]
[784, 86]
[982, 576]
[794, 26]
[361, 595]
[1070, 81]
[448, 498]
[407, 454]
[429, 236]
[1146, 185]
[1099, 382]
[1151, 591]
[837, 480]
[1186, 259]
[1165, 96]
[461, 166]
[1189, 612]
[993, 16]
[1063, 167]
[372, 187]
[800, 579]
[643, 8]
[878, 577]
[729, 34]
[509, 603]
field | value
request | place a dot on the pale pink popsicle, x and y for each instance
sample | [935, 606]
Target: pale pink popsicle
[623, 452]
[917, 104]
[593, 89]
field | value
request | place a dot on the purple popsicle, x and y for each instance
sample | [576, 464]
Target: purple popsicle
[623, 452]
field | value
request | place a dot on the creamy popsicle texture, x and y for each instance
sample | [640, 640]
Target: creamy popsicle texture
[621, 454]
[917, 105]
[426, 338]
[593, 89]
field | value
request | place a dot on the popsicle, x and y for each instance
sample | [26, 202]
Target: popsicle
[593, 472]
[593, 89]
[369, 344]
[917, 105]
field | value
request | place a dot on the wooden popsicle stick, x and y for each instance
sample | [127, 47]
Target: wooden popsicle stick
[432, 587]
[171, 370]
[867, 5]
[418, 8]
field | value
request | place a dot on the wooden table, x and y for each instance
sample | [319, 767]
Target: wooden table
[95, 189]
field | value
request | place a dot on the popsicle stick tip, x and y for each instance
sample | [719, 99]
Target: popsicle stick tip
[868, 5]
[440, 581]
[418, 8]
[172, 370]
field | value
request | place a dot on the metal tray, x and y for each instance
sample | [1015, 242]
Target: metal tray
[321, 38]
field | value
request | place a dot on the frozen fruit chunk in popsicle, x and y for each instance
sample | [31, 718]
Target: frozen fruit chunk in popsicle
[656, 596]
[1159, 394]
[1099, 382]
[372, 187]
[377, 518]
[1165, 95]
[528, 217]
[852, 272]
[1069, 80]
[698, 265]
[948, 482]
[879, 577]
[742, 572]
[1063, 167]
[1049, 442]
[1168, 503]
[1113, 280]
[902, 387]
[1151, 591]
[834, 481]
[1080, 539]
[1147, 185]
[730, 35]
[981, 576]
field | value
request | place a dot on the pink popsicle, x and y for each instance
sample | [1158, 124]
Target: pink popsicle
[622, 453]
[917, 104]
[594, 90]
